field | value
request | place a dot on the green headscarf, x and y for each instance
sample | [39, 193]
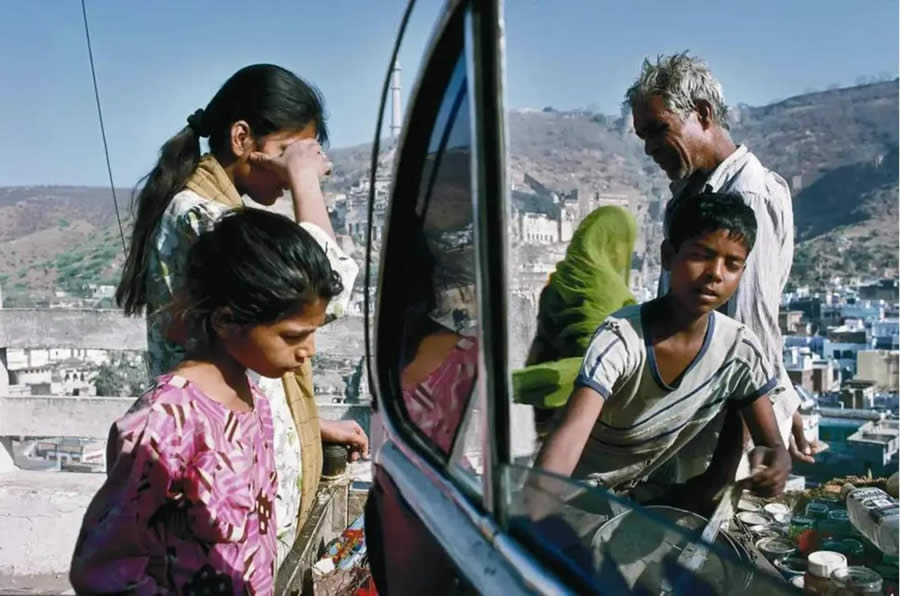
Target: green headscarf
[589, 284]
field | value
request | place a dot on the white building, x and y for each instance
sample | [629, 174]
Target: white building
[882, 367]
[886, 334]
[872, 310]
[538, 228]
[35, 358]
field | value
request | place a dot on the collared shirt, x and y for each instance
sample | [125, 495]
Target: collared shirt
[758, 297]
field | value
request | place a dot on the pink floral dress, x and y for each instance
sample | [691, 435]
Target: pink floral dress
[188, 503]
[437, 404]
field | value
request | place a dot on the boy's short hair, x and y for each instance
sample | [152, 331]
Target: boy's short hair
[711, 211]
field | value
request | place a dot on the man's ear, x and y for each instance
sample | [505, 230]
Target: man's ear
[666, 254]
[705, 115]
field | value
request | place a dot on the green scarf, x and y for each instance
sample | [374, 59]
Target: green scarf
[589, 284]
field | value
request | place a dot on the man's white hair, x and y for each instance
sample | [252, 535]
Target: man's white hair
[681, 80]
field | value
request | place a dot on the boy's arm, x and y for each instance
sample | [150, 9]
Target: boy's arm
[770, 451]
[561, 452]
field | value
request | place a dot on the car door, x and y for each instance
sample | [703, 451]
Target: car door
[431, 497]
[454, 506]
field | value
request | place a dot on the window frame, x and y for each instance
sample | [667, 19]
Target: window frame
[447, 48]
[438, 492]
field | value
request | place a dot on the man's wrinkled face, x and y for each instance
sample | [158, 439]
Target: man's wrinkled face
[673, 143]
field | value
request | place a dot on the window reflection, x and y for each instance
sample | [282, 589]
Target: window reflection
[439, 351]
[616, 547]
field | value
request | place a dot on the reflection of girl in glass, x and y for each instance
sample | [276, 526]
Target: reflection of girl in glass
[589, 284]
[439, 352]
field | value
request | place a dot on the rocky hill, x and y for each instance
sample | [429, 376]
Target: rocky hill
[837, 149]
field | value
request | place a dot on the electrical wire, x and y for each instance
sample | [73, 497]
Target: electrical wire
[112, 186]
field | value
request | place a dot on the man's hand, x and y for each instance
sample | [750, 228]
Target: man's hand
[800, 448]
[772, 467]
[346, 432]
[801, 451]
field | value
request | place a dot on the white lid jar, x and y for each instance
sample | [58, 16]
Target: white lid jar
[820, 565]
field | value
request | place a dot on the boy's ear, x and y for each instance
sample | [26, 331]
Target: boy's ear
[666, 254]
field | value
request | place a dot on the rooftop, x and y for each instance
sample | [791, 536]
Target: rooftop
[884, 432]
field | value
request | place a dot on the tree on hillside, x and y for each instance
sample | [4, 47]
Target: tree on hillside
[121, 377]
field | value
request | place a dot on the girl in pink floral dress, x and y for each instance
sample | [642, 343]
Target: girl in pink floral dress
[188, 506]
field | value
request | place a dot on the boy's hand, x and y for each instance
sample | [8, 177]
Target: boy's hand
[773, 465]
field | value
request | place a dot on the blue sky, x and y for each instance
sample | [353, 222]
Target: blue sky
[159, 61]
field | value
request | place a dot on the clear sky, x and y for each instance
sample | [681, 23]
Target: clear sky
[159, 61]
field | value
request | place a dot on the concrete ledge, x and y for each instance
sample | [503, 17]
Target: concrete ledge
[60, 416]
[99, 329]
[91, 417]
[850, 413]
[40, 515]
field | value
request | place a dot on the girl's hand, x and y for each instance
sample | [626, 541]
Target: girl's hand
[303, 158]
[346, 432]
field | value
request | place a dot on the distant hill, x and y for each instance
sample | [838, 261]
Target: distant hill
[837, 148]
[58, 238]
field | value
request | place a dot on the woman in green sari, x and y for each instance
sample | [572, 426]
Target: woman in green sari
[589, 284]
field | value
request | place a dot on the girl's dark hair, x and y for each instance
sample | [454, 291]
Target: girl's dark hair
[258, 265]
[269, 98]
[711, 211]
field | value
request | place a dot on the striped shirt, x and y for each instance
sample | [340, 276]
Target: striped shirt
[758, 297]
[645, 421]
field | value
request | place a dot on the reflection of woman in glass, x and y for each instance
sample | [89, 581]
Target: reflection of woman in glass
[589, 284]
[439, 355]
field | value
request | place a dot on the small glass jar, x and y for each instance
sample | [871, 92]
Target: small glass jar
[820, 566]
[829, 528]
[834, 545]
[854, 549]
[889, 573]
[791, 567]
[855, 581]
[776, 509]
[839, 514]
[800, 524]
[831, 501]
[763, 531]
[817, 510]
[776, 548]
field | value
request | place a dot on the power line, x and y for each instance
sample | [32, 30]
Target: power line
[112, 186]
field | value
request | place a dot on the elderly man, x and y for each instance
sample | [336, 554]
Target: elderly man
[680, 115]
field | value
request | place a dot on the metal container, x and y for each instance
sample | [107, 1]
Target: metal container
[638, 544]
[776, 548]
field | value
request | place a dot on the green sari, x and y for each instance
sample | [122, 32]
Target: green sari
[589, 284]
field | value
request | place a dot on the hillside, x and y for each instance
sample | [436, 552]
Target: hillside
[57, 238]
[837, 149]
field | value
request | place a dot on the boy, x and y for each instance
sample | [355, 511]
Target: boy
[657, 373]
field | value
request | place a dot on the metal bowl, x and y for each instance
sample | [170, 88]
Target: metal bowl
[637, 545]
